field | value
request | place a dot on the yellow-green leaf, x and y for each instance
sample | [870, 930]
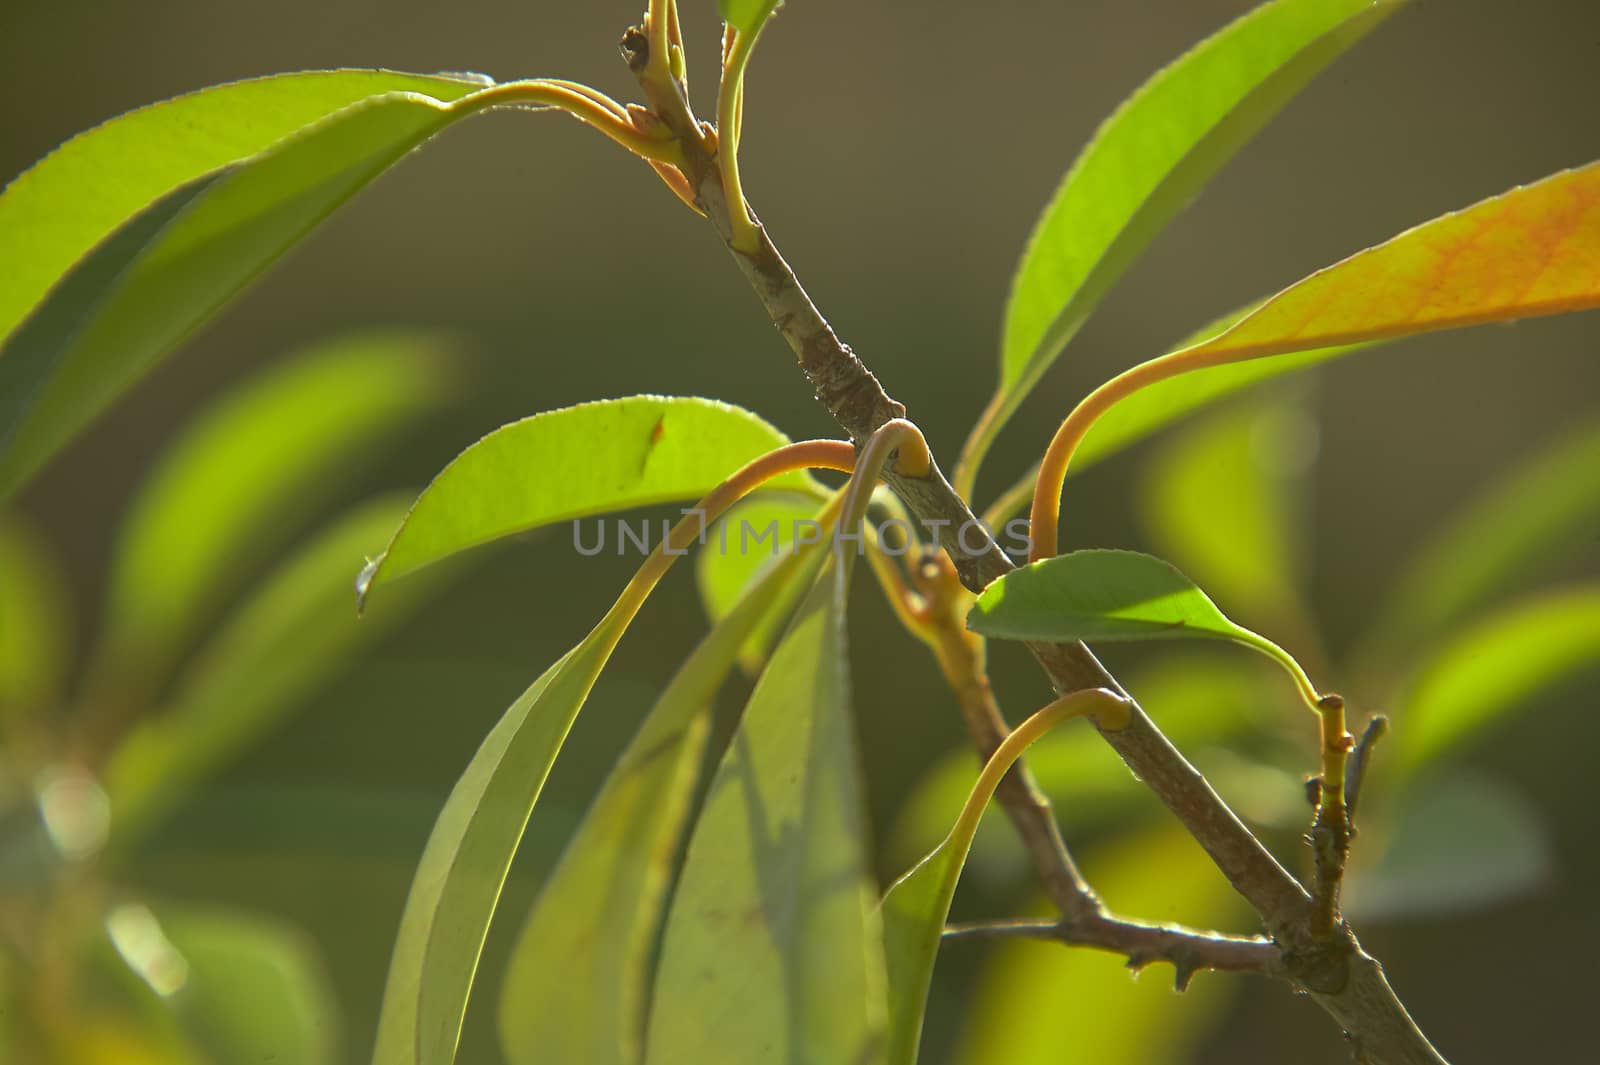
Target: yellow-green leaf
[243, 475]
[1548, 507]
[572, 463]
[1534, 250]
[577, 985]
[773, 951]
[1147, 162]
[1222, 500]
[187, 243]
[1495, 667]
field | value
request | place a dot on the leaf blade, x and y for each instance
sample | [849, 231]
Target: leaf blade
[601, 456]
[577, 982]
[773, 950]
[1494, 666]
[54, 213]
[1533, 250]
[121, 310]
[1151, 157]
[287, 637]
[247, 471]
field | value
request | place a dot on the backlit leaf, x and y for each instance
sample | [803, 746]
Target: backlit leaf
[773, 950]
[458, 881]
[52, 214]
[254, 990]
[916, 906]
[748, 542]
[1109, 595]
[1149, 160]
[1548, 507]
[1495, 667]
[747, 15]
[35, 617]
[1455, 844]
[1534, 250]
[247, 472]
[1220, 498]
[288, 637]
[576, 462]
[194, 243]
[578, 981]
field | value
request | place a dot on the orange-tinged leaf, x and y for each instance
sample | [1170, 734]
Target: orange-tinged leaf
[1532, 251]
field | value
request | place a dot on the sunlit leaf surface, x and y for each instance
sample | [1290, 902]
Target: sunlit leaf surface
[575, 462]
[1150, 159]
[773, 950]
[253, 989]
[250, 470]
[1221, 499]
[745, 544]
[1495, 667]
[1534, 250]
[35, 615]
[177, 249]
[577, 985]
[747, 15]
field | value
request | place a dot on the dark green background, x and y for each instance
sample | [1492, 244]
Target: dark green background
[899, 154]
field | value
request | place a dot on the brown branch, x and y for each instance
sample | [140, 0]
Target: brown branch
[1348, 983]
[1187, 950]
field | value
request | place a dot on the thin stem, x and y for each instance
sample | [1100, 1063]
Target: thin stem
[1330, 831]
[1053, 467]
[804, 455]
[1187, 949]
[589, 106]
[977, 445]
[738, 47]
[1109, 708]
[912, 460]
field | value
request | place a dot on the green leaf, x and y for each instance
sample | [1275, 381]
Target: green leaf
[53, 214]
[1199, 700]
[578, 980]
[35, 624]
[917, 905]
[1150, 159]
[747, 543]
[1038, 1003]
[248, 471]
[1457, 844]
[1496, 667]
[1111, 595]
[463, 868]
[576, 462]
[746, 16]
[1221, 498]
[773, 951]
[118, 311]
[254, 989]
[294, 632]
[1547, 508]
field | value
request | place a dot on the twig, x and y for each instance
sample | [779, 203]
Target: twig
[1356, 775]
[1188, 950]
